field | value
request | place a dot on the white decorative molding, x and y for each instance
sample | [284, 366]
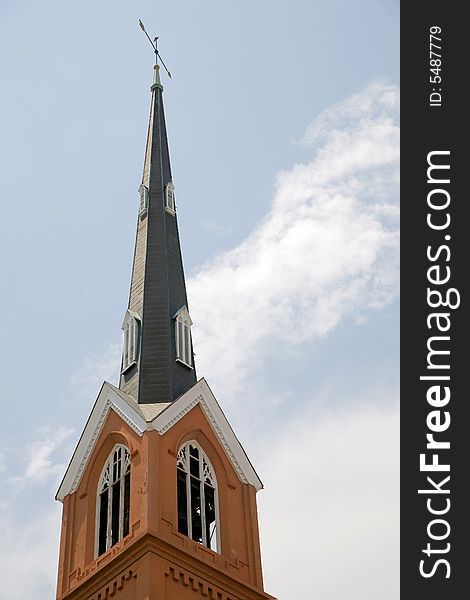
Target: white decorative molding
[178, 416]
[108, 399]
[89, 447]
[122, 408]
[202, 395]
[223, 441]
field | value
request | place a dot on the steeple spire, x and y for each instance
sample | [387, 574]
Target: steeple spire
[157, 361]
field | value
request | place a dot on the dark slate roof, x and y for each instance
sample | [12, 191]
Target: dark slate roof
[158, 377]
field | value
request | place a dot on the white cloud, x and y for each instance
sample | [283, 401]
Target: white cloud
[215, 228]
[330, 510]
[326, 251]
[40, 466]
[29, 518]
[328, 248]
[41, 459]
[104, 366]
[29, 551]
[379, 102]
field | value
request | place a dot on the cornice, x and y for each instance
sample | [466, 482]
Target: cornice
[116, 585]
[107, 400]
[220, 434]
[201, 394]
[181, 564]
[184, 410]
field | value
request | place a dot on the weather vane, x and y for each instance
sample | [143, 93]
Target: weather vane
[155, 49]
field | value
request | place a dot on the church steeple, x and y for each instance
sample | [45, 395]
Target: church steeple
[159, 498]
[157, 362]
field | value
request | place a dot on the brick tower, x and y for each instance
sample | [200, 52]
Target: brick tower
[159, 498]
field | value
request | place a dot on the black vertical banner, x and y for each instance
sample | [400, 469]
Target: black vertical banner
[435, 201]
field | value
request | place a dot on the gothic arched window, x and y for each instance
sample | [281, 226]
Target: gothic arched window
[113, 503]
[197, 496]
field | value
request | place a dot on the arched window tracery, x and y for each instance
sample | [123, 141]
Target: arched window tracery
[197, 496]
[113, 501]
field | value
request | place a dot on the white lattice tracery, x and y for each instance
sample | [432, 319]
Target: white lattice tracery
[197, 496]
[182, 464]
[113, 501]
[208, 476]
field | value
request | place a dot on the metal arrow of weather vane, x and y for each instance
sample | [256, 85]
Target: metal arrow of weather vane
[155, 49]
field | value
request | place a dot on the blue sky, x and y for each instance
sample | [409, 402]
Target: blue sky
[282, 119]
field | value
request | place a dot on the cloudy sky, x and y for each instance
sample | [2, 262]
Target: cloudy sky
[283, 125]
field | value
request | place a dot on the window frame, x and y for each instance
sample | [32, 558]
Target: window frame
[125, 469]
[183, 341]
[131, 340]
[143, 199]
[170, 203]
[203, 459]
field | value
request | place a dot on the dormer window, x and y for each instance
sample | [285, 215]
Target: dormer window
[183, 337]
[197, 496]
[170, 198]
[131, 328]
[144, 199]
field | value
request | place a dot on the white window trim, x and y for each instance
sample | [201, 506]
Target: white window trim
[109, 463]
[202, 457]
[183, 337]
[170, 205]
[131, 340]
[143, 200]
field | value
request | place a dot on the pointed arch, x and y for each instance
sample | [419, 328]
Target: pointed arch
[197, 496]
[183, 337]
[92, 470]
[113, 500]
[224, 476]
